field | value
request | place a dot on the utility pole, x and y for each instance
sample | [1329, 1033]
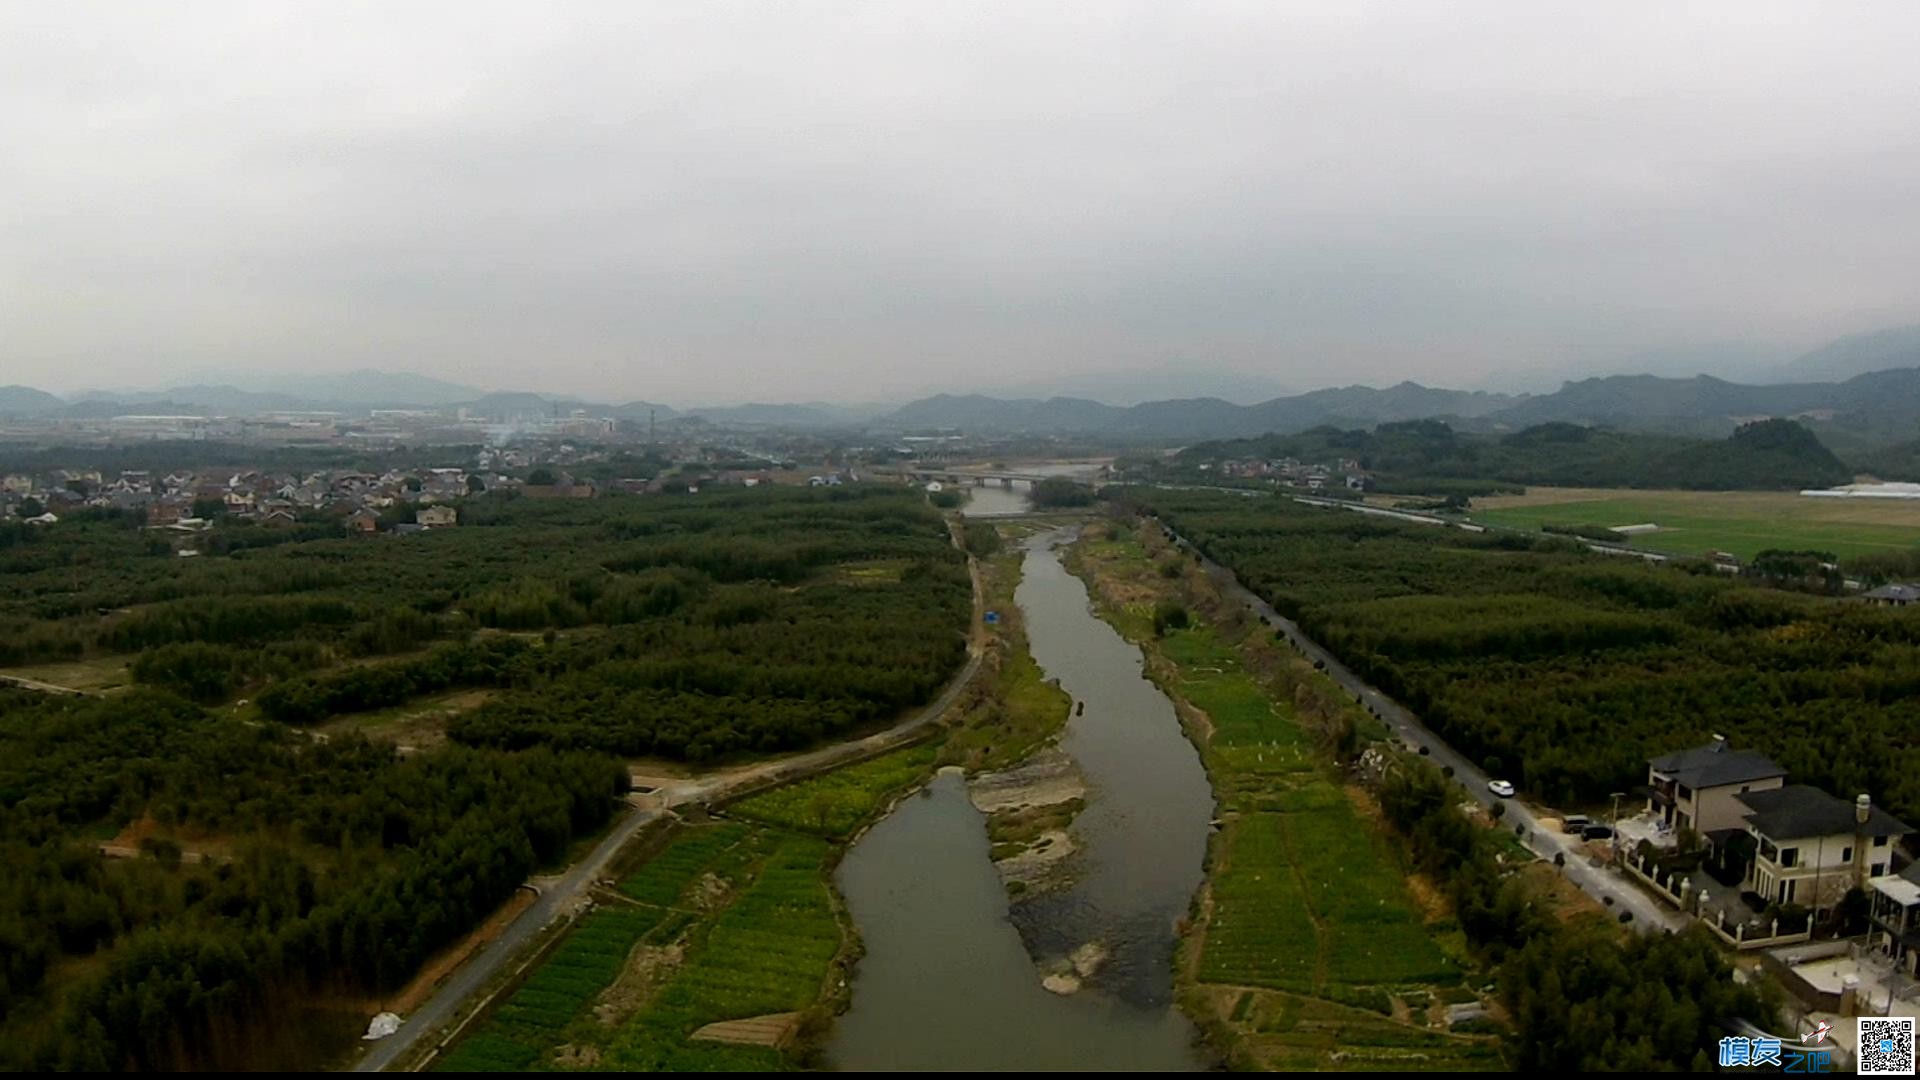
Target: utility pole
[1613, 826]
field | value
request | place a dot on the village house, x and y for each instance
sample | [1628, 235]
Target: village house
[436, 517]
[1699, 789]
[363, 521]
[1895, 595]
[1811, 847]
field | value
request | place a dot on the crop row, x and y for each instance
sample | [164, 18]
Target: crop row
[530, 1022]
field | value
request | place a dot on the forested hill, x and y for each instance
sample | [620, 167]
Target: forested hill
[1430, 456]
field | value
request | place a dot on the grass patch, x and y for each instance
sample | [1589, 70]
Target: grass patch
[1022, 710]
[93, 675]
[835, 804]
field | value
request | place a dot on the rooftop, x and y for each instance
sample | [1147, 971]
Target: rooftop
[1902, 888]
[1798, 810]
[1894, 592]
[1714, 764]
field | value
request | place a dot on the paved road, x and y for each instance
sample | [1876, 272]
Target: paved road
[1600, 883]
[561, 897]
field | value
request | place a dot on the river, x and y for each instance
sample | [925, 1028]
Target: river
[948, 979]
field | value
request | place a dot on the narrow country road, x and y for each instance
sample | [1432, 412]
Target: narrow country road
[25, 683]
[563, 896]
[1614, 890]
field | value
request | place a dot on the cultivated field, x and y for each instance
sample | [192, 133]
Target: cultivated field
[729, 922]
[1696, 522]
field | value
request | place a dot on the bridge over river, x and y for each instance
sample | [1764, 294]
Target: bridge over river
[961, 476]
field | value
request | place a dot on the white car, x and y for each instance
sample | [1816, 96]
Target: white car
[1500, 788]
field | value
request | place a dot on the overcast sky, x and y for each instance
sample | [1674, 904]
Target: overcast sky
[711, 202]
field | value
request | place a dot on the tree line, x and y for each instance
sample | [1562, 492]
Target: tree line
[1429, 457]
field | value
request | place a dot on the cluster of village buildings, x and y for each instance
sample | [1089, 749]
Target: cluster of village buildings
[1293, 473]
[186, 498]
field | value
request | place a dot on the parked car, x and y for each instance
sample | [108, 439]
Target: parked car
[1575, 823]
[1596, 832]
[1500, 788]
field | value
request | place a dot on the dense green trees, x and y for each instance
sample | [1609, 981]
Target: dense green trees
[766, 557]
[209, 673]
[1574, 668]
[313, 865]
[275, 866]
[981, 538]
[1060, 491]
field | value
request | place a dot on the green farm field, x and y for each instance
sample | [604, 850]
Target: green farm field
[727, 922]
[1743, 523]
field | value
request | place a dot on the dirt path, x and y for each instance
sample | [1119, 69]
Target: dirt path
[25, 683]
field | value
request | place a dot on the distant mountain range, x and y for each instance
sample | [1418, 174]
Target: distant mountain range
[1856, 391]
[1858, 354]
[1353, 405]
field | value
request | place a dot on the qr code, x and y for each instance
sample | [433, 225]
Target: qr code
[1886, 1046]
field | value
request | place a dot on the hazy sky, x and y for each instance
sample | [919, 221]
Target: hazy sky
[713, 202]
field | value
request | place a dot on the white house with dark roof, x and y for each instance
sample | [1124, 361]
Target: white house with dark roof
[1699, 789]
[1810, 848]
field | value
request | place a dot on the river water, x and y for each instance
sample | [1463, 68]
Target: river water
[948, 980]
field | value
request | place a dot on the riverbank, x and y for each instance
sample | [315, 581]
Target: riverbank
[1310, 945]
[965, 969]
[726, 944]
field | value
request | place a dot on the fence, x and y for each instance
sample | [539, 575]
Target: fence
[1676, 888]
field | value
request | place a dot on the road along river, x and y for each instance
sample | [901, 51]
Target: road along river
[948, 979]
